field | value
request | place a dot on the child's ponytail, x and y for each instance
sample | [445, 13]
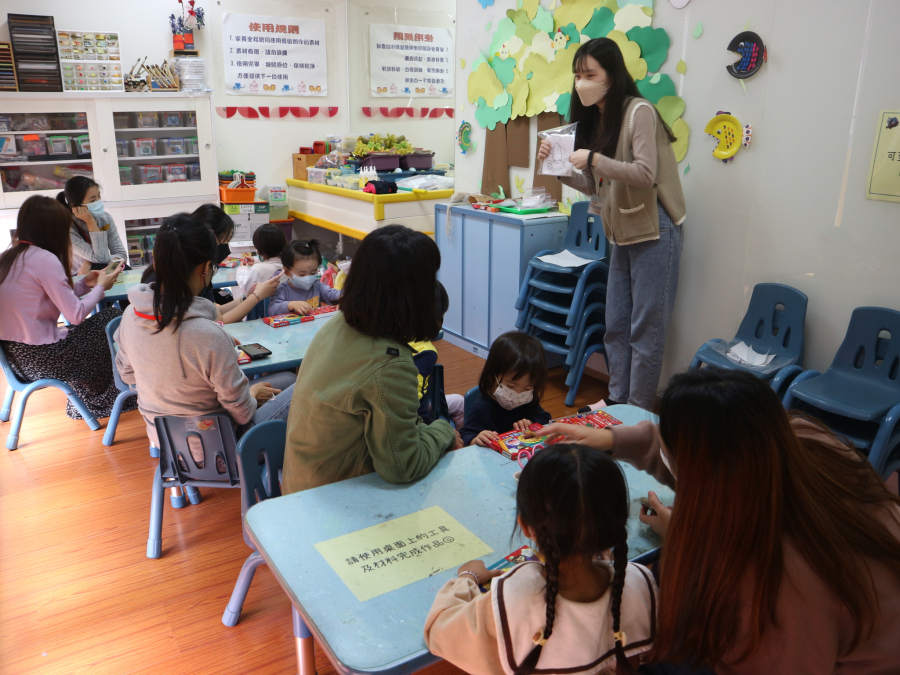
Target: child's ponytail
[620, 566]
[181, 244]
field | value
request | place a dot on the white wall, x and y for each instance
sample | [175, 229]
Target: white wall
[265, 146]
[792, 209]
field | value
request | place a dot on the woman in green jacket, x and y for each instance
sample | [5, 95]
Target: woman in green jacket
[354, 409]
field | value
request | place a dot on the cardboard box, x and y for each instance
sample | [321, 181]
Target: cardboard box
[302, 163]
[246, 217]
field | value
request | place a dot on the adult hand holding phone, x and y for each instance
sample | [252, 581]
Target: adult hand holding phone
[84, 215]
[107, 279]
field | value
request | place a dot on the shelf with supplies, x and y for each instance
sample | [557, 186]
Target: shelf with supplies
[146, 129]
[48, 161]
[146, 157]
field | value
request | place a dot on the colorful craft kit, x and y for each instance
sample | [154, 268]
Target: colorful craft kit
[514, 444]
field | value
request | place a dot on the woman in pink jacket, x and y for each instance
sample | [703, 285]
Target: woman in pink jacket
[782, 551]
[35, 288]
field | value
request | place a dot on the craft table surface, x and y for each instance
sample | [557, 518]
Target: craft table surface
[474, 485]
[131, 278]
[288, 344]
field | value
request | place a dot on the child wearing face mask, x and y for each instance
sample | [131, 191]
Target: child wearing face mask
[303, 291]
[512, 383]
[95, 237]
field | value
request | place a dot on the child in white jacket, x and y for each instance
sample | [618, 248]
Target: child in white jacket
[575, 612]
[269, 241]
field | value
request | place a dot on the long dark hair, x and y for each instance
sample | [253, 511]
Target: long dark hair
[217, 220]
[45, 224]
[576, 501]
[389, 291]
[73, 195]
[747, 481]
[590, 133]
[516, 354]
[181, 244]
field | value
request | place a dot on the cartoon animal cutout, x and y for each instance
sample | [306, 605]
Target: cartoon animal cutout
[504, 52]
[753, 54]
[316, 89]
[238, 86]
[560, 40]
[406, 90]
[301, 88]
[726, 129]
[444, 90]
[268, 87]
[432, 90]
[381, 90]
[254, 86]
[420, 90]
[285, 87]
[393, 89]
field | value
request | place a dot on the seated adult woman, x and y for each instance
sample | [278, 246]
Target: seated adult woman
[783, 550]
[171, 347]
[355, 403]
[95, 237]
[230, 309]
[35, 288]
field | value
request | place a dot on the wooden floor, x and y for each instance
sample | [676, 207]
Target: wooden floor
[77, 592]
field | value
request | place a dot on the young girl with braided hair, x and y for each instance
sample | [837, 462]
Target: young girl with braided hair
[575, 613]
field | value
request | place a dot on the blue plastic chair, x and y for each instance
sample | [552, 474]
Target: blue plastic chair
[775, 324]
[261, 310]
[25, 389]
[178, 468]
[470, 399]
[437, 400]
[859, 395]
[125, 390]
[260, 455]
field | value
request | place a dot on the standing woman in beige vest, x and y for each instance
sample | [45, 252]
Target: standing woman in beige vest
[628, 168]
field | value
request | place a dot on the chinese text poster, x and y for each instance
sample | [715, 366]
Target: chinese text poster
[410, 61]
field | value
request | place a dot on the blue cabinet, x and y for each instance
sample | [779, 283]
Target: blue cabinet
[483, 262]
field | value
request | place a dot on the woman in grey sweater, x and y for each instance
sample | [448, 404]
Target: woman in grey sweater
[95, 238]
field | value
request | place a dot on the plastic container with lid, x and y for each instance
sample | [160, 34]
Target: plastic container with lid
[190, 119]
[141, 147]
[149, 173]
[193, 170]
[170, 118]
[59, 145]
[175, 173]
[147, 120]
[120, 120]
[191, 146]
[125, 175]
[316, 175]
[171, 146]
[83, 144]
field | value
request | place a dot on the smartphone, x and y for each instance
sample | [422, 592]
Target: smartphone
[256, 351]
[646, 504]
[113, 266]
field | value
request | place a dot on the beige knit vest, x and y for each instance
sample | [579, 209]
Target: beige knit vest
[629, 213]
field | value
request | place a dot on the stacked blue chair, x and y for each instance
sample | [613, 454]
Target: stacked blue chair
[858, 397]
[565, 307]
[774, 324]
[25, 389]
[180, 438]
[125, 391]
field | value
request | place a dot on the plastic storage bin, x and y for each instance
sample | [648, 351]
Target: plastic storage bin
[146, 120]
[83, 145]
[175, 173]
[59, 145]
[34, 144]
[171, 146]
[316, 175]
[149, 173]
[170, 119]
[193, 170]
[190, 119]
[125, 175]
[121, 149]
[143, 147]
[120, 120]
[417, 160]
[191, 146]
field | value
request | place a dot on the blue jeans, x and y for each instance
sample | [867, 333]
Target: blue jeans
[640, 295]
[278, 407]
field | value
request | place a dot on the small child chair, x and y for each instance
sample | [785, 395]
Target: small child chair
[125, 390]
[775, 324]
[859, 395]
[193, 452]
[26, 389]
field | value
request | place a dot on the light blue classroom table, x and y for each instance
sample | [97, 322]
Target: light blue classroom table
[130, 278]
[384, 635]
[288, 344]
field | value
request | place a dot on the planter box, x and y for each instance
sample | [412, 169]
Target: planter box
[381, 162]
[417, 160]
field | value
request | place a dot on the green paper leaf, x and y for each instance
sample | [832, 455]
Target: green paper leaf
[529, 75]
[572, 33]
[563, 103]
[489, 117]
[502, 193]
[647, 10]
[686, 169]
[681, 67]
[543, 20]
[683, 134]
[698, 31]
[743, 86]
[501, 100]
[496, 195]
[670, 108]
[488, 27]
[601, 23]
[462, 63]
[504, 70]
[654, 92]
[654, 43]
[521, 2]
[747, 26]
[655, 78]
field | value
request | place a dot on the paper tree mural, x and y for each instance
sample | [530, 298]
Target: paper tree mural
[527, 69]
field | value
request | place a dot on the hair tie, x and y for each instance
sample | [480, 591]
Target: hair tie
[27, 243]
[539, 639]
[620, 637]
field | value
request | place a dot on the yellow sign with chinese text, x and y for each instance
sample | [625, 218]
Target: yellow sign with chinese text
[884, 176]
[399, 552]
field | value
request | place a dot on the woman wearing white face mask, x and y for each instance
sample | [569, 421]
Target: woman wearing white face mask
[304, 292]
[95, 238]
[624, 151]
